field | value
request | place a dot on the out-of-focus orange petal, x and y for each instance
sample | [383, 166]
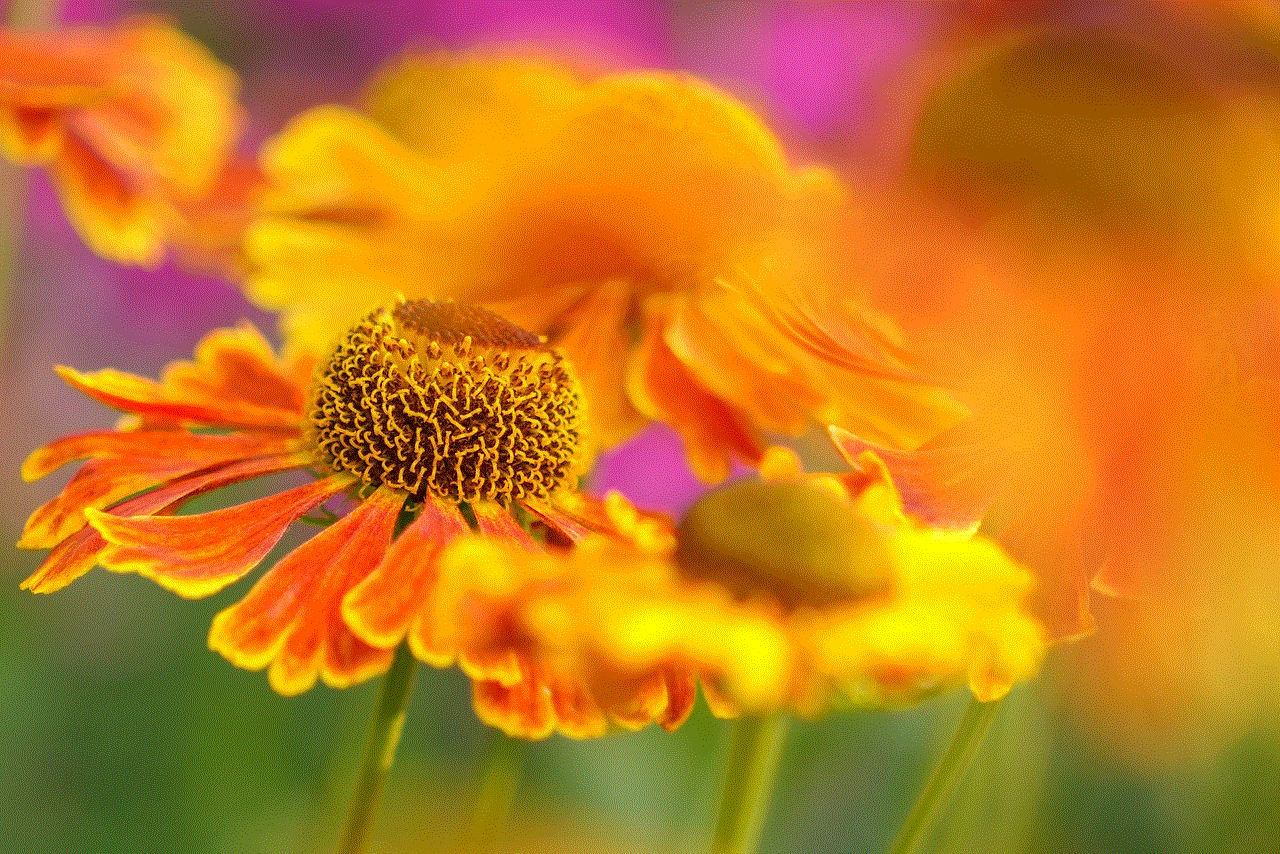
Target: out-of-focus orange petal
[78, 554]
[348, 201]
[103, 481]
[523, 710]
[949, 482]
[634, 137]
[662, 388]
[115, 220]
[1064, 550]
[292, 618]
[682, 694]
[198, 555]
[148, 398]
[381, 608]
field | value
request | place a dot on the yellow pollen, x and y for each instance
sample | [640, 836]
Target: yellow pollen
[447, 400]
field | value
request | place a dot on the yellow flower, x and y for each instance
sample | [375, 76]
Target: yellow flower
[428, 420]
[646, 223]
[798, 592]
[135, 123]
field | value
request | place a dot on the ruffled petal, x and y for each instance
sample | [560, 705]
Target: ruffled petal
[198, 555]
[78, 554]
[381, 608]
[292, 619]
[236, 365]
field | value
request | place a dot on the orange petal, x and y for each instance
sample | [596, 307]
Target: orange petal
[146, 397]
[198, 555]
[236, 365]
[99, 483]
[570, 526]
[662, 388]
[949, 482]
[116, 218]
[78, 554]
[1063, 551]
[150, 444]
[495, 522]
[522, 710]
[381, 608]
[682, 693]
[640, 702]
[503, 666]
[292, 619]
[577, 714]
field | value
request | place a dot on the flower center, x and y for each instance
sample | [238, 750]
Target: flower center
[796, 543]
[447, 400]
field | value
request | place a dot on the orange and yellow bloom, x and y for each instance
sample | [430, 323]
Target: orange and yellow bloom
[136, 124]
[799, 592]
[427, 421]
[648, 224]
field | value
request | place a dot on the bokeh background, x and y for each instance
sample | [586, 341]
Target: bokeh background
[121, 732]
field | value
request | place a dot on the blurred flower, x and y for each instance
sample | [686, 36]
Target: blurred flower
[646, 223]
[1095, 228]
[1093, 264]
[798, 591]
[136, 124]
[426, 414]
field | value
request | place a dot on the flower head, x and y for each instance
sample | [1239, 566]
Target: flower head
[798, 591]
[426, 422]
[646, 223]
[136, 124]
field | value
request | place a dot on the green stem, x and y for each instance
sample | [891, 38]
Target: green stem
[753, 761]
[491, 806]
[974, 724]
[380, 750]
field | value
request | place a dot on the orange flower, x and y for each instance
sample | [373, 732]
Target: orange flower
[1100, 263]
[432, 418]
[647, 223]
[798, 592]
[136, 124]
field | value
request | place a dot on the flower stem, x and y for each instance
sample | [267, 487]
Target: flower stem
[504, 760]
[974, 724]
[753, 761]
[380, 750]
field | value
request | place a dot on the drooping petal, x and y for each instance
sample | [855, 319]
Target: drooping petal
[292, 619]
[662, 388]
[381, 608]
[523, 709]
[101, 482]
[78, 554]
[148, 398]
[198, 555]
